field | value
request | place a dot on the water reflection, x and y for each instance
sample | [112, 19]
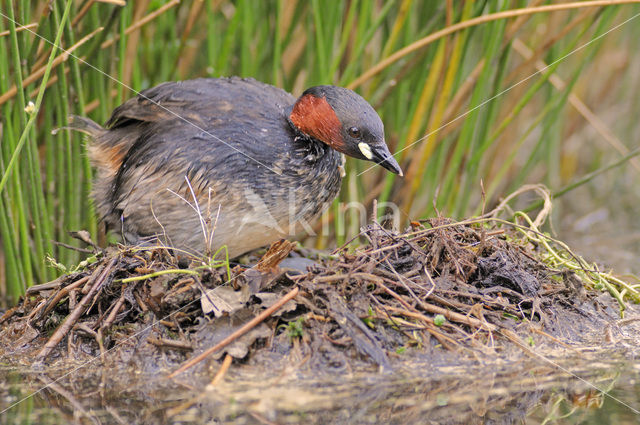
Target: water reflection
[519, 392]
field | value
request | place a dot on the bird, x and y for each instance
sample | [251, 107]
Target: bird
[213, 164]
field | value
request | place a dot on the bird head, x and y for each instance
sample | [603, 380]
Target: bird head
[346, 122]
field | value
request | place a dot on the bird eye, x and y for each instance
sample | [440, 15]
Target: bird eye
[354, 132]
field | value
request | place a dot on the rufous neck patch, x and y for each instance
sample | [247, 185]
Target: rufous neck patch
[316, 118]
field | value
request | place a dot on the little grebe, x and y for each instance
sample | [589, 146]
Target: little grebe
[210, 162]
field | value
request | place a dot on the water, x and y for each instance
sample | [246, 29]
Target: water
[599, 389]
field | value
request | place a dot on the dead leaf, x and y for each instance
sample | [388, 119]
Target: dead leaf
[268, 299]
[218, 329]
[224, 299]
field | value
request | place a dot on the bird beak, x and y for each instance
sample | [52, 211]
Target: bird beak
[382, 156]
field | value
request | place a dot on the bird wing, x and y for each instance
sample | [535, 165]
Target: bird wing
[152, 105]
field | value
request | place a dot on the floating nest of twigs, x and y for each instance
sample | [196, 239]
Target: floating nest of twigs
[443, 288]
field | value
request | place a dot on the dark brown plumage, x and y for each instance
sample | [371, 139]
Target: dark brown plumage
[210, 162]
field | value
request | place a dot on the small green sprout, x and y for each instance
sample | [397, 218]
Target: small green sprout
[294, 328]
[510, 316]
[367, 321]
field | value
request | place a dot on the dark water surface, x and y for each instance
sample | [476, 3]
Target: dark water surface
[577, 390]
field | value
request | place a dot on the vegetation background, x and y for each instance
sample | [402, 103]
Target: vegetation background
[477, 97]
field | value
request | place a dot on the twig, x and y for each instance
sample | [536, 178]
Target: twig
[54, 284]
[9, 313]
[52, 302]
[73, 248]
[460, 318]
[76, 313]
[442, 338]
[170, 343]
[112, 315]
[237, 334]
[222, 371]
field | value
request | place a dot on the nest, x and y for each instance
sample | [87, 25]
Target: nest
[440, 286]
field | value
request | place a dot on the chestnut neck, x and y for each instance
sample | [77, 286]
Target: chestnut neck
[314, 117]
